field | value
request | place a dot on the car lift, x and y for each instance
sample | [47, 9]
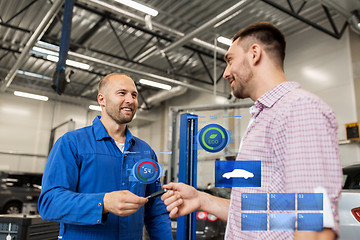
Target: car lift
[186, 225]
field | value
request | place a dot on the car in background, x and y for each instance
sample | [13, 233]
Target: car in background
[208, 226]
[17, 188]
[349, 204]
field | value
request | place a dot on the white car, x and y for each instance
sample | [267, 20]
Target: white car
[349, 204]
[238, 173]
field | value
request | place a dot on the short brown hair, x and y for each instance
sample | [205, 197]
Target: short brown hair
[105, 79]
[268, 35]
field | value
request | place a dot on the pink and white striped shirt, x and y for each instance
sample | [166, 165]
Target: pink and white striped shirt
[294, 134]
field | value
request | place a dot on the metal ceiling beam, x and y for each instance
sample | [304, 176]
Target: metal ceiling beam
[304, 20]
[21, 11]
[197, 42]
[54, 41]
[146, 74]
[208, 24]
[38, 33]
[89, 33]
[158, 26]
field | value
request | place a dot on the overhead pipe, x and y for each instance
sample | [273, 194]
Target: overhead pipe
[352, 18]
[202, 28]
[163, 95]
[37, 35]
[155, 25]
[146, 74]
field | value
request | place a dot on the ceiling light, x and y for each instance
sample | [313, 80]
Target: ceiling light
[69, 62]
[30, 95]
[225, 40]
[95, 108]
[139, 7]
[45, 51]
[35, 75]
[155, 84]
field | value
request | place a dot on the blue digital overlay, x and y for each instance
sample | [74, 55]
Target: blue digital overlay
[282, 201]
[238, 173]
[213, 138]
[254, 201]
[310, 201]
[146, 171]
[310, 221]
[253, 221]
[282, 221]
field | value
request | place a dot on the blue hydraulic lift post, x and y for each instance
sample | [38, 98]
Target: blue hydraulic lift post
[186, 225]
[64, 41]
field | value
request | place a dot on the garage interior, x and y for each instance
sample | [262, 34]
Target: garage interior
[180, 45]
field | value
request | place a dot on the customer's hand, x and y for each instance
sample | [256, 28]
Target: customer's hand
[122, 203]
[181, 200]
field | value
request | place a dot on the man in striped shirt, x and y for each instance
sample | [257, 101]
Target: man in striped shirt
[291, 131]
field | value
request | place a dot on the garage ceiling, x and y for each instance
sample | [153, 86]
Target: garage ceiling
[111, 37]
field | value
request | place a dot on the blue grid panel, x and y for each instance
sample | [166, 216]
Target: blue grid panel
[253, 221]
[282, 201]
[282, 221]
[254, 201]
[310, 201]
[310, 221]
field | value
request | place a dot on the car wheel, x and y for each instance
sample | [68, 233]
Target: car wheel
[13, 208]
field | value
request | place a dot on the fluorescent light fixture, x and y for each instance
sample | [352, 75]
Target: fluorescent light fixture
[69, 62]
[139, 7]
[45, 51]
[95, 108]
[225, 40]
[35, 75]
[30, 95]
[48, 45]
[155, 84]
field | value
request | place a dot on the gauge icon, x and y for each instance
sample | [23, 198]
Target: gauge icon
[213, 138]
[147, 171]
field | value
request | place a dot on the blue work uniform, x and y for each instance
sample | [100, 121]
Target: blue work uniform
[85, 164]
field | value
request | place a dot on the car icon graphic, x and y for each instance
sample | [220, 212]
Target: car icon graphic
[238, 173]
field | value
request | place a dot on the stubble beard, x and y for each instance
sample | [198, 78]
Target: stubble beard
[120, 118]
[242, 80]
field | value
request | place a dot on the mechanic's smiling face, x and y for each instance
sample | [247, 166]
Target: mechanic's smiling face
[120, 98]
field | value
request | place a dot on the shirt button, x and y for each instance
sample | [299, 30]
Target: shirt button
[99, 204]
[97, 221]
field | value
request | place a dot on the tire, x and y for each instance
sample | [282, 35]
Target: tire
[13, 208]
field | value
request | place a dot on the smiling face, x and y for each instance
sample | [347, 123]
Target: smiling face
[238, 71]
[118, 98]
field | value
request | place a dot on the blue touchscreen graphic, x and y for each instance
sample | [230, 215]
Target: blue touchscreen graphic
[238, 173]
[310, 201]
[253, 221]
[282, 201]
[310, 221]
[282, 221]
[253, 201]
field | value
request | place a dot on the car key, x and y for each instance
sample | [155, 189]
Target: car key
[156, 194]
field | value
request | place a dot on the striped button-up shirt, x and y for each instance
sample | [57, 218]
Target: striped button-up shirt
[294, 135]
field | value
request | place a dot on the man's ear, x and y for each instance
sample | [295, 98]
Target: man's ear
[101, 99]
[256, 53]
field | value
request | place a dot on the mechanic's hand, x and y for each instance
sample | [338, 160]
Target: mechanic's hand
[181, 200]
[122, 203]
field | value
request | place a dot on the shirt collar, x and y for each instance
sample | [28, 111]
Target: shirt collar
[101, 133]
[271, 97]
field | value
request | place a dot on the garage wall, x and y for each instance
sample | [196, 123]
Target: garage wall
[25, 129]
[322, 65]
